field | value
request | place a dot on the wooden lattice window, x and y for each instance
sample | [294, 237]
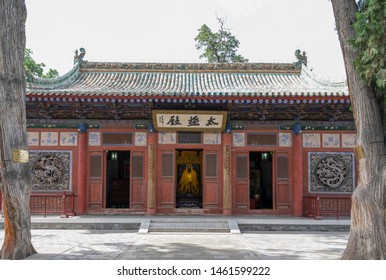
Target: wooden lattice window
[117, 138]
[189, 138]
[261, 139]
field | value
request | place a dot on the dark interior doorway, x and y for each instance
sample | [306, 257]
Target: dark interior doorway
[118, 179]
[189, 178]
[260, 180]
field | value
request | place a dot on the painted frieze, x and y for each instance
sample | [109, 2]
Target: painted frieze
[140, 139]
[348, 140]
[285, 140]
[239, 139]
[167, 137]
[212, 138]
[49, 138]
[311, 140]
[68, 138]
[33, 138]
[94, 138]
[331, 140]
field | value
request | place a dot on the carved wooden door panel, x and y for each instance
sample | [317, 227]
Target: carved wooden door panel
[95, 180]
[137, 180]
[165, 186]
[211, 182]
[283, 188]
[241, 192]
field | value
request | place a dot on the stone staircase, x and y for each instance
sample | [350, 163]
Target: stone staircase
[186, 225]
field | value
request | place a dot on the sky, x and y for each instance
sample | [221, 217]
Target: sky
[269, 31]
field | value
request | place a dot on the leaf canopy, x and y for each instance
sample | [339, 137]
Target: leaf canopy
[220, 46]
[34, 69]
[370, 39]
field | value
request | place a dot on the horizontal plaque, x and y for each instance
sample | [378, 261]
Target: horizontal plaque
[20, 156]
[189, 120]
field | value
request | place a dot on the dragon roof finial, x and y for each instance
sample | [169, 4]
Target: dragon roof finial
[302, 57]
[79, 56]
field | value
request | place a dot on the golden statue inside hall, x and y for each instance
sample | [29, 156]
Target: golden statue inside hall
[189, 181]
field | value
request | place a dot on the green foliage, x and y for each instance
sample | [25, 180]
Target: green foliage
[370, 39]
[218, 47]
[34, 69]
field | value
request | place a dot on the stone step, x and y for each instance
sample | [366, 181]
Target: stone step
[189, 220]
[188, 230]
[187, 226]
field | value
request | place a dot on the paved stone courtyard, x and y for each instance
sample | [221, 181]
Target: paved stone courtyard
[126, 245]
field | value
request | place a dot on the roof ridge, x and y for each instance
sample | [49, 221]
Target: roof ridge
[177, 67]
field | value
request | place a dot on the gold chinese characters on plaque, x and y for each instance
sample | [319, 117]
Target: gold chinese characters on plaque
[20, 156]
[189, 120]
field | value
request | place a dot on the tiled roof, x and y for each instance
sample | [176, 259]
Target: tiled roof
[157, 79]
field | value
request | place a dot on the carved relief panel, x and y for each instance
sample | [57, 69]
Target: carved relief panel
[51, 170]
[331, 172]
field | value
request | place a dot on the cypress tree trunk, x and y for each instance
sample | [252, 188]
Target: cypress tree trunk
[367, 238]
[15, 177]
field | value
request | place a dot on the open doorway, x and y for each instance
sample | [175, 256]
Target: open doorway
[260, 180]
[189, 178]
[118, 179]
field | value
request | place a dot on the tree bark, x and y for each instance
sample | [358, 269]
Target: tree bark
[367, 239]
[15, 177]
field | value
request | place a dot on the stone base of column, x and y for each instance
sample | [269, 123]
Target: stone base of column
[151, 211]
[227, 212]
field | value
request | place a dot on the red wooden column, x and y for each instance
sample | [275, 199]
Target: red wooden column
[227, 183]
[82, 168]
[151, 173]
[297, 172]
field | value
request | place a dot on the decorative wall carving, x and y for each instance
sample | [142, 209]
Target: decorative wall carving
[51, 170]
[331, 172]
